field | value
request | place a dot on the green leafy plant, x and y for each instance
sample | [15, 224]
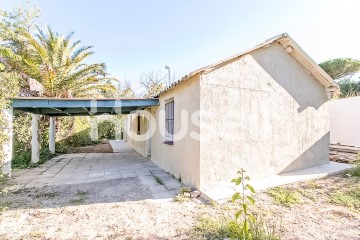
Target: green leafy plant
[350, 199]
[355, 171]
[106, 130]
[284, 196]
[245, 200]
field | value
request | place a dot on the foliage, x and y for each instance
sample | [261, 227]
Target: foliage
[244, 225]
[8, 88]
[349, 88]
[36, 62]
[246, 217]
[355, 171]
[106, 130]
[78, 139]
[80, 198]
[350, 199]
[284, 196]
[153, 83]
[209, 228]
[23, 158]
[341, 68]
[57, 63]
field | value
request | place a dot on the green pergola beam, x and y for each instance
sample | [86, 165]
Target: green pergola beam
[80, 107]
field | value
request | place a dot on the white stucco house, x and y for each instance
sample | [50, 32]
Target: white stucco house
[264, 110]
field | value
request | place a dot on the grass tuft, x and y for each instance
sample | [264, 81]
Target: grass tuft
[223, 228]
[284, 196]
[4, 206]
[158, 181]
[350, 199]
[47, 195]
[80, 198]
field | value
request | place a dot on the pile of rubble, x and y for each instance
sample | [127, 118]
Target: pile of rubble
[343, 154]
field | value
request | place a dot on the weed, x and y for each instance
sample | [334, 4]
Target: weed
[4, 206]
[158, 181]
[36, 234]
[225, 228]
[47, 195]
[81, 193]
[184, 189]
[180, 198]
[307, 194]
[81, 196]
[313, 185]
[246, 217]
[284, 196]
[350, 199]
[354, 172]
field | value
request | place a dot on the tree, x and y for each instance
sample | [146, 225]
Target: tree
[153, 83]
[125, 90]
[341, 68]
[57, 63]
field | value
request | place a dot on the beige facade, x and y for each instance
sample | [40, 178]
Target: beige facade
[265, 111]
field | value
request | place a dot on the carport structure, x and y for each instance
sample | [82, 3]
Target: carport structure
[57, 107]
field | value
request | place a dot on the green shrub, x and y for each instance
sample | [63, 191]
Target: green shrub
[284, 196]
[350, 199]
[79, 139]
[23, 158]
[355, 171]
[106, 130]
[224, 228]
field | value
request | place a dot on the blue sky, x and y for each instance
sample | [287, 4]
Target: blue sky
[133, 37]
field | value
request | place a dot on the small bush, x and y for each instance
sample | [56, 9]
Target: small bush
[350, 199]
[355, 171]
[23, 158]
[79, 139]
[209, 228]
[284, 196]
[106, 130]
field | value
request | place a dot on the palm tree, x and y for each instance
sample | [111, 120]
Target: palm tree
[57, 63]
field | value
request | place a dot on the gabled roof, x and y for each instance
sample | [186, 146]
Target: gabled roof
[289, 45]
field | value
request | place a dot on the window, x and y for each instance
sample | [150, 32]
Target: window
[169, 122]
[138, 124]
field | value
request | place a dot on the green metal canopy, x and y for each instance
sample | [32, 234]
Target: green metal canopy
[81, 106]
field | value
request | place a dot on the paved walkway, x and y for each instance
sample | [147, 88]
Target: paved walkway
[225, 192]
[119, 146]
[94, 167]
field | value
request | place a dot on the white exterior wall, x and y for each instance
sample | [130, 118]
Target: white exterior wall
[141, 147]
[263, 112]
[344, 121]
[182, 158]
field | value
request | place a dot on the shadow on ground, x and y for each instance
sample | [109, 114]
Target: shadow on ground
[110, 191]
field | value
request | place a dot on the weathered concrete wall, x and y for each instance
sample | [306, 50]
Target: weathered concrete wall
[263, 112]
[182, 158]
[344, 121]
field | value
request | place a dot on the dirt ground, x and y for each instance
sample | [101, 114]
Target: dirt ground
[97, 211]
[102, 147]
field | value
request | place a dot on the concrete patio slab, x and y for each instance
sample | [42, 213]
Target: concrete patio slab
[225, 192]
[86, 168]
